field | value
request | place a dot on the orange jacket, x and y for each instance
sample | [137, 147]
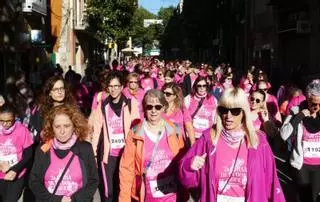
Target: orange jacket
[131, 163]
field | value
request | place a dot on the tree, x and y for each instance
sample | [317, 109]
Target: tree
[109, 18]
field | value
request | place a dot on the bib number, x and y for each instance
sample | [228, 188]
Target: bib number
[201, 123]
[223, 198]
[11, 159]
[117, 141]
[311, 149]
[161, 188]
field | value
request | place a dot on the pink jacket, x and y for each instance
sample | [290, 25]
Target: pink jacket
[263, 183]
[98, 122]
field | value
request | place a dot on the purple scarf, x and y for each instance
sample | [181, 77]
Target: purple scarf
[232, 138]
[64, 146]
[8, 131]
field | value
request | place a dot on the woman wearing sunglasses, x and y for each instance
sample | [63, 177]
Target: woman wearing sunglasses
[303, 124]
[201, 105]
[260, 115]
[148, 164]
[232, 161]
[133, 90]
[175, 111]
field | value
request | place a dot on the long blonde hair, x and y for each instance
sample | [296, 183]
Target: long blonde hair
[236, 98]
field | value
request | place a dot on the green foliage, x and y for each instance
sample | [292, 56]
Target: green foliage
[110, 18]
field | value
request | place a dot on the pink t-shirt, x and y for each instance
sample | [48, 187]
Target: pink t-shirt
[72, 180]
[226, 157]
[138, 97]
[147, 84]
[115, 131]
[160, 177]
[12, 146]
[178, 79]
[311, 147]
[205, 115]
[160, 84]
[180, 118]
[296, 101]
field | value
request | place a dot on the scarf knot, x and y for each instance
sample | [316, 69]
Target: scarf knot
[232, 138]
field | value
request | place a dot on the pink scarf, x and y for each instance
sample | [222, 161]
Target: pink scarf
[232, 138]
[64, 146]
[8, 131]
[201, 96]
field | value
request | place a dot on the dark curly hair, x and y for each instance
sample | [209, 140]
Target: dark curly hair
[45, 102]
[80, 123]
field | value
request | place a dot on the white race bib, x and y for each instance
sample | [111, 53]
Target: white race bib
[201, 123]
[11, 159]
[311, 149]
[117, 141]
[161, 188]
[223, 198]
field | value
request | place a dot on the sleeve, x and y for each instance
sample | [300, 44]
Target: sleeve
[186, 115]
[188, 177]
[36, 179]
[126, 169]
[273, 187]
[27, 151]
[86, 193]
[290, 124]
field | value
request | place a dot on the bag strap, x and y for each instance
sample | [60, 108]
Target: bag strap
[154, 151]
[198, 107]
[63, 173]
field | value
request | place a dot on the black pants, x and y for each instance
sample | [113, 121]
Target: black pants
[308, 181]
[10, 191]
[112, 177]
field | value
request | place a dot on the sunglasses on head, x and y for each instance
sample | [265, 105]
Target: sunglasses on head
[234, 111]
[150, 107]
[168, 94]
[255, 100]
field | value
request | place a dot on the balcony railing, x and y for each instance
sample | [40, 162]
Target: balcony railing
[38, 6]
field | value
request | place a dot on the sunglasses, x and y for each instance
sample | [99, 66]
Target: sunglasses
[314, 104]
[167, 94]
[202, 86]
[264, 89]
[255, 100]
[133, 82]
[150, 107]
[234, 111]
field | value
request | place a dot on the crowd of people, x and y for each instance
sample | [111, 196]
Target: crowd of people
[153, 131]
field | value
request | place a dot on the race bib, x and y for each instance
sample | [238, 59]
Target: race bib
[311, 149]
[163, 187]
[117, 141]
[200, 123]
[223, 198]
[11, 159]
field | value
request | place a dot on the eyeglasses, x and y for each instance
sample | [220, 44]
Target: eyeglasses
[255, 100]
[56, 90]
[264, 89]
[234, 111]
[6, 121]
[168, 94]
[160, 74]
[202, 86]
[115, 87]
[312, 104]
[131, 82]
[150, 107]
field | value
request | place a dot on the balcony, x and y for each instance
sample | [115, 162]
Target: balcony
[38, 6]
[80, 22]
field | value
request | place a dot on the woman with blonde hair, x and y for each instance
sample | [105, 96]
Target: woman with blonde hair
[232, 161]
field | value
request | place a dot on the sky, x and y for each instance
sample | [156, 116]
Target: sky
[154, 5]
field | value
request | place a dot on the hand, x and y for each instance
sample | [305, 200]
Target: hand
[264, 115]
[4, 167]
[306, 112]
[198, 162]
[66, 199]
[10, 176]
